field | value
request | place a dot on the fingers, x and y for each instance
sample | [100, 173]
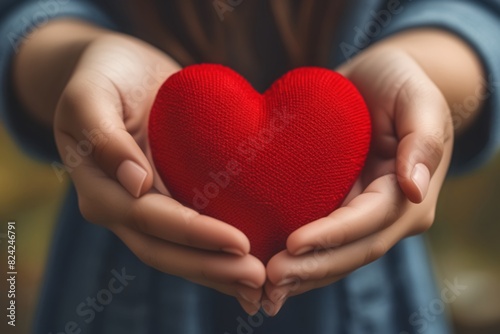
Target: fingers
[249, 298]
[321, 267]
[97, 131]
[249, 307]
[378, 206]
[357, 236]
[212, 269]
[276, 296]
[90, 112]
[423, 125]
[411, 116]
[165, 218]
[103, 201]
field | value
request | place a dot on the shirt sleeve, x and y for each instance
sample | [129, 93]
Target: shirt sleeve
[18, 19]
[478, 23]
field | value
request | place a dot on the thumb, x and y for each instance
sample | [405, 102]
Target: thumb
[94, 120]
[419, 155]
[422, 121]
[119, 156]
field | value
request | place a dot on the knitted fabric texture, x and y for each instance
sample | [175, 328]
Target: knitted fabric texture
[264, 163]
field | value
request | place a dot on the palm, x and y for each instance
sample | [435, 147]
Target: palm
[386, 90]
[131, 72]
[111, 93]
[411, 131]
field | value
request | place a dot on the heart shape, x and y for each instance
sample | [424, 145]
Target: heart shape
[264, 163]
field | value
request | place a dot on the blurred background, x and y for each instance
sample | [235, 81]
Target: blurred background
[464, 241]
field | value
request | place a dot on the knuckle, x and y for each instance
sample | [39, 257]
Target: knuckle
[73, 95]
[87, 209]
[330, 261]
[95, 211]
[187, 224]
[149, 256]
[99, 146]
[343, 234]
[433, 146]
[413, 90]
[137, 216]
[377, 249]
[392, 215]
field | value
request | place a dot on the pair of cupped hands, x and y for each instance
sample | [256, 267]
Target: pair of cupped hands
[108, 98]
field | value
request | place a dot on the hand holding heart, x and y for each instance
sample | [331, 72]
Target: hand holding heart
[193, 135]
[106, 104]
[266, 164]
[397, 192]
[410, 152]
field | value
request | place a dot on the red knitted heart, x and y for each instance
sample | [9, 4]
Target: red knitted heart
[268, 163]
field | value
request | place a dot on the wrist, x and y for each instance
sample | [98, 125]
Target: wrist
[45, 62]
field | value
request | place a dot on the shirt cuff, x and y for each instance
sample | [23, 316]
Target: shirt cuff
[16, 23]
[477, 24]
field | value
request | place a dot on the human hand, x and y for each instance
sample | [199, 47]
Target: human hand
[100, 127]
[396, 194]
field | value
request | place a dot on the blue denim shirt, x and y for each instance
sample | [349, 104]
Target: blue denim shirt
[95, 284]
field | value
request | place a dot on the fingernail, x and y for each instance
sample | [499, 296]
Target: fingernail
[279, 305]
[304, 250]
[233, 251]
[421, 177]
[280, 298]
[131, 176]
[245, 297]
[272, 309]
[249, 284]
[250, 307]
[252, 310]
[268, 307]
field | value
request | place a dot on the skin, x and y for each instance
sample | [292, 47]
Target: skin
[72, 77]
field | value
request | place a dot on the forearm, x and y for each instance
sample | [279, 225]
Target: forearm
[45, 61]
[450, 63]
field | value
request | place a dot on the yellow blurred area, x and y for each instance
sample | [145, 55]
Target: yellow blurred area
[30, 195]
[465, 244]
[464, 239]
